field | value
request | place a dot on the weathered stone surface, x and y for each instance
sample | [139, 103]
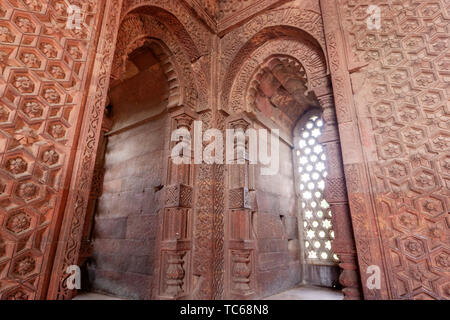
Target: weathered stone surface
[216, 231]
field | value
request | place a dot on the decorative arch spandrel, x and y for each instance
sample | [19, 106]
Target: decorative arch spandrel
[196, 29]
[308, 21]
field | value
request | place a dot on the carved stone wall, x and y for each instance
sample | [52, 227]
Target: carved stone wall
[390, 90]
[44, 70]
[399, 78]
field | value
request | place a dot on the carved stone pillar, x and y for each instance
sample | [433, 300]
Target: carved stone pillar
[241, 245]
[176, 243]
[241, 271]
[175, 273]
[336, 196]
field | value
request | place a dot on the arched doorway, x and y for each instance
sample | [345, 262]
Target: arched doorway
[200, 256]
[130, 162]
[145, 205]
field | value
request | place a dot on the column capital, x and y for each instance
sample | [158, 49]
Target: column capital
[327, 103]
[183, 117]
[331, 132]
[240, 124]
[326, 100]
[184, 121]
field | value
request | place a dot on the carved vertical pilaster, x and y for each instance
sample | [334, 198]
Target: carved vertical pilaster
[241, 245]
[361, 198]
[86, 248]
[176, 243]
[53, 280]
[336, 196]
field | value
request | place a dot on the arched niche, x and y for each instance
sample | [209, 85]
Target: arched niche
[137, 27]
[269, 42]
[310, 88]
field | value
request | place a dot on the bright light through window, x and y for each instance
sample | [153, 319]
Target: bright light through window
[311, 163]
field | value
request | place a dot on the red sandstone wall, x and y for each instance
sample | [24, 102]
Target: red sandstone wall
[126, 215]
[391, 95]
[44, 72]
[275, 225]
[400, 95]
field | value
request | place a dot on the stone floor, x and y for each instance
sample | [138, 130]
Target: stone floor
[301, 293]
[94, 296]
[306, 292]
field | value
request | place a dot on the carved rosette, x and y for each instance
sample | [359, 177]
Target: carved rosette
[336, 195]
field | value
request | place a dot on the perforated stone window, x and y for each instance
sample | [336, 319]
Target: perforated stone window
[311, 171]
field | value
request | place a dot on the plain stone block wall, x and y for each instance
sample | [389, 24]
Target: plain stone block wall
[277, 262]
[126, 217]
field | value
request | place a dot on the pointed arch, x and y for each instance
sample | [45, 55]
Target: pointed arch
[240, 80]
[137, 29]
